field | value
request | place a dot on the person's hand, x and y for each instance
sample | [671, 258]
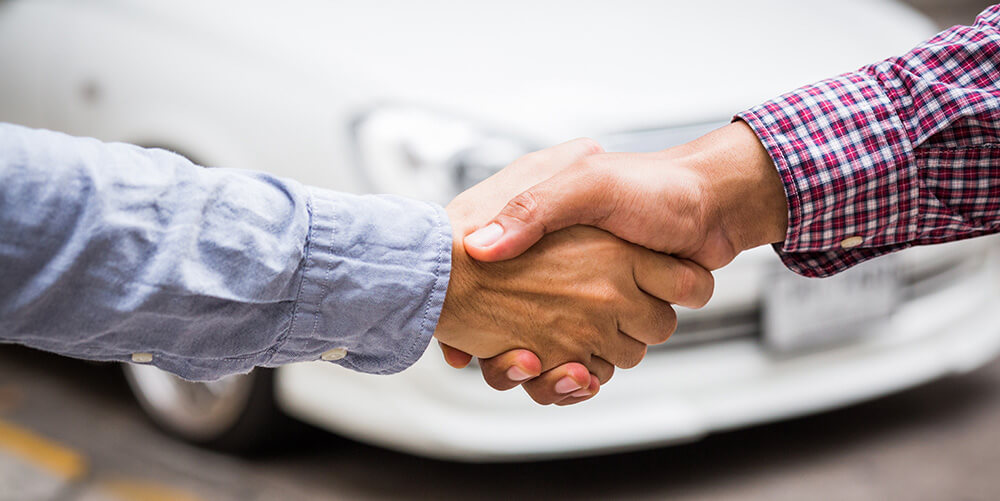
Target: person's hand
[706, 200]
[579, 294]
[570, 382]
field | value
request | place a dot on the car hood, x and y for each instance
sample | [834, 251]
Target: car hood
[560, 68]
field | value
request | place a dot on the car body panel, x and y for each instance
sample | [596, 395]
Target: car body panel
[675, 396]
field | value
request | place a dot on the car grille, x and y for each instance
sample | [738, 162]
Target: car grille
[920, 282]
[712, 329]
[919, 278]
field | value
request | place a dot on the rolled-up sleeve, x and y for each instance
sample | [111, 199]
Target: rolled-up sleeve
[118, 253]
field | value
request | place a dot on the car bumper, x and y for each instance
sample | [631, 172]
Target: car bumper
[674, 396]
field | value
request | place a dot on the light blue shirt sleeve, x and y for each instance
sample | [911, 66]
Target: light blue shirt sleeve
[107, 250]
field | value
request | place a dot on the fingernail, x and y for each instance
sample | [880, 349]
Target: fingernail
[485, 236]
[582, 393]
[516, 374]
[566, 385]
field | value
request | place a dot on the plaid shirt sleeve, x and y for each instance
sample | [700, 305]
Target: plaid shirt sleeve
[900, 153]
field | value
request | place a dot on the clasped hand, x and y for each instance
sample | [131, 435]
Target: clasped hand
[579, 299]
[556, 306]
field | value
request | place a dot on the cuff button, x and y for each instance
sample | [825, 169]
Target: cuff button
[851, 242]
[334, 354]
[142, 358]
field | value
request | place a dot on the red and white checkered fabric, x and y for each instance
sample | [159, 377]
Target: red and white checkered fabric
[899, 153]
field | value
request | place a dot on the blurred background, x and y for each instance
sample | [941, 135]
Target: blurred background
[878, 384]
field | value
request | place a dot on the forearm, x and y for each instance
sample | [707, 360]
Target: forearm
[110, 250]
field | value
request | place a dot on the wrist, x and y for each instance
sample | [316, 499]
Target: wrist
[743, 193]
[449, 327]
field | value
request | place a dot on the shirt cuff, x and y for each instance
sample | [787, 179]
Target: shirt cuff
[845, 162]
[373, 283]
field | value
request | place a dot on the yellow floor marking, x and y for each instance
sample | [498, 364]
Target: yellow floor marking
[133, 490]
[42, 452]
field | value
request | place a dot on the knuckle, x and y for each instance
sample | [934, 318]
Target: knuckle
[668, 324]
[698, 285]
[633, 356]
[607, 296]
[605, 374]
[685, 282]
[578, 341]
[522, 207]
[707, 289]
[589, 145]
[528, 159]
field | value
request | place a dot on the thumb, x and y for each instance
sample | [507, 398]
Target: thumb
[565, 199]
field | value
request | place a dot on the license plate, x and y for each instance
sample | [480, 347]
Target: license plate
[807, 313]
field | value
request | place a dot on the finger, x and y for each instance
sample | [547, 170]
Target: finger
[454, 357]
[622, 350]
[510, 369]
[647, 319]
[582, 395]
[602, 369]
[563, 200]
[562, 382]
[677, 281]
[572, 196]
[562, 154]
[558, 383]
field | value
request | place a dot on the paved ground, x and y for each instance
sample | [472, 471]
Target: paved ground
[90, 442]
[70, 431]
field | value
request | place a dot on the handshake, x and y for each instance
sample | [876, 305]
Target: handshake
[587, 252]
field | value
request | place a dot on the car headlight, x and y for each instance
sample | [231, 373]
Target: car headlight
[421, 154]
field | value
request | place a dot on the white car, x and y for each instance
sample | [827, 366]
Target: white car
[424, 99]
